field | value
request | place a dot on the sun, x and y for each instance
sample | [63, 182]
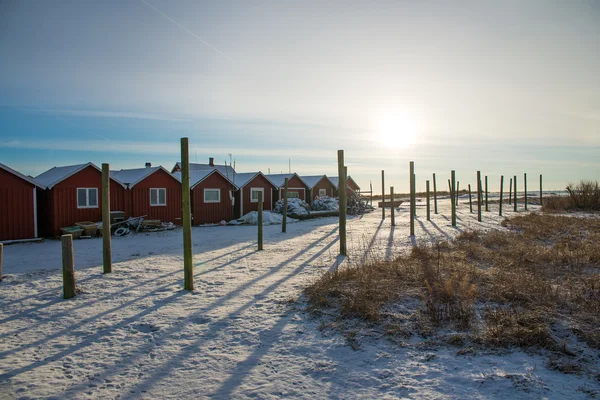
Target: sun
[396, 131]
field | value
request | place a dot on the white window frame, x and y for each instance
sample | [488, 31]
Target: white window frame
[297, 193]
[158, 197]
[252, 190]
[322, 192]
[212, 190]
[87, 197]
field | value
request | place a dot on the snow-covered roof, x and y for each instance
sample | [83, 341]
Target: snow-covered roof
[56, 175]
[197, 176]
[312, 180]
[131, 177]
[335, 181]
[242, 179]
[278, 180]
[20, 175]
[226, 170]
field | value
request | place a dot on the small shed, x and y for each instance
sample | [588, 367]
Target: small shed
[212, 196]
[350, 184]
[319, 185]
[153, 192]
[246, 197]
[18, 197]
[296, 186]
[73, 194]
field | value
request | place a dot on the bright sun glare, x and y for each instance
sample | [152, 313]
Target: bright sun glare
[396, 131]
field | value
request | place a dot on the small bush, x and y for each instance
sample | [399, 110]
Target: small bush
[584, 196]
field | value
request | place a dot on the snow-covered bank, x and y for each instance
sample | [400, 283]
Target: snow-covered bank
[136, 334]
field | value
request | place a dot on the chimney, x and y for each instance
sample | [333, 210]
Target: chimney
[148, 165]
[211, 161]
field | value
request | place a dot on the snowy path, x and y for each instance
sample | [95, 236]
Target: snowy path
[136, 334]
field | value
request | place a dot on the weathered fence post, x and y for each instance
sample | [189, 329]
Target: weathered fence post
[434, 195]
[457, 191]
[470, 200]
[453, 196]
[510, 192]
[515, 191]
[68, 264]
[428, 201]
[393, 214]
[479, 198]
[1, 255]
[501, 189]
[260, 220]
[525, 187]
[106, 233]
[285, 205]
[343, 203]
[486, 195]
[412, 198]
[450, 188]
[382, 194]
[188, 267]
[541, 199]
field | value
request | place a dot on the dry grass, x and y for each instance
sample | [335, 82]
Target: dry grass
[504, 288]
[584, 196]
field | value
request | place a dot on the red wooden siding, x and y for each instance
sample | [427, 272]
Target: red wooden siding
[17, 213]
[140, 198]
[353, 185]
[324, 183]
[120, 199]
[295, 185]
[258, 182]
[210, 213]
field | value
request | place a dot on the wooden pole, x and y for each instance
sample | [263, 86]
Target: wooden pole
[382, 195]
[260, 220]
[371, 189]
[450, 188]
[541, 197]
[428, 201]
[470, 200]
[510, 192]
[486, 195]
[1, 255]
[479, 198]
[525, 187]
[393, 214]
[188, 267]
[106, 238]
[285, 205]
[68, 263]
[453, 197]
[457, 191]
[343, 203]
[515, 191]
[412, 198]
[501, 189]
[434, 196]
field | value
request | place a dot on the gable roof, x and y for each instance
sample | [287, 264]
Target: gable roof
[20, 175]
[335, 181]
[312, 180]
[132, 177]
[242, 179]
[56, 175]
[197, 176]
[278, 180]
[226, 170]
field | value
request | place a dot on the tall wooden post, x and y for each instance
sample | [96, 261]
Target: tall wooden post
[515, 191]
[106, 238]
[343, 203]
[501, 189]
[525, 187]
[412, 198]
[393, 214]
[428, 201]
[470, 200]
[453, 196]
[188, 267]
[434, 195]
[371, 189]
[382, 195]
[486, 195]
[457, 191]
[510, 192]
[285, 205]
[260, 220]
[479, 198]
[1, 255]
[68, 264]
[450, 188]
[541, 197]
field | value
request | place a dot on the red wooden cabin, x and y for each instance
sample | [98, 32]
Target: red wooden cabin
[246, 198]
[350, 184]
[319, 185]
[296, 186]
[18, 200]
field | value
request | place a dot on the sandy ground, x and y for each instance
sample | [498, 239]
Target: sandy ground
[135, 333]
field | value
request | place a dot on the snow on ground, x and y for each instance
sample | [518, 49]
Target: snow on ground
[135, 333]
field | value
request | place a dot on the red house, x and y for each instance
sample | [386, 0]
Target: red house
[350, 184]
[246, 198]
[73, 194]
[212, 196]
[296, 187]
[319, 185]
[18, 197]
[151, 191]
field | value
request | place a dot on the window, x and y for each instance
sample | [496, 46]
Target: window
[158, 197]
[293, 195]
[87, 197]
[254, 194]
[322, 192]
[212, 195]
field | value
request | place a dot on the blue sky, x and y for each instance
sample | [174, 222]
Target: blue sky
[503, 87]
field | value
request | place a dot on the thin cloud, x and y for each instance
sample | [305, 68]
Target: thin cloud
[112, 114]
